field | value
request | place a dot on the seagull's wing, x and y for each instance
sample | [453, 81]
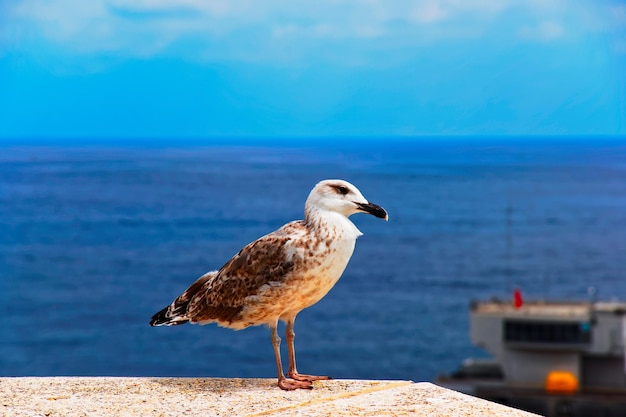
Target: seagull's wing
[270, 259]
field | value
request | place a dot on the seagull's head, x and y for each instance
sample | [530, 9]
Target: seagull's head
[342, 197]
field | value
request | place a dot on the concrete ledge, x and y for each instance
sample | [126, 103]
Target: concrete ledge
[86, 396]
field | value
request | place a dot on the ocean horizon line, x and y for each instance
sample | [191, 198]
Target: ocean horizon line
[300, 141]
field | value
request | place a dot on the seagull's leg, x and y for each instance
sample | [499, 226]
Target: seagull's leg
[284, 383]
[293, 371]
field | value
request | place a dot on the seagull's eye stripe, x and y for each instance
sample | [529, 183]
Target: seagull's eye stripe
[341, 189]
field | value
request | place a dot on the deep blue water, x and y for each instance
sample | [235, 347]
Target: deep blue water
[95, 239]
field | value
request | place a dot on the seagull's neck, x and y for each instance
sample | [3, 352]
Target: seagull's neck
[327, 223]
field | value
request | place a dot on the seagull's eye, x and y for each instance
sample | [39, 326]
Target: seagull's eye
[342, 190]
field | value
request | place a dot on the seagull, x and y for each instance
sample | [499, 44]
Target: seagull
[278, 275]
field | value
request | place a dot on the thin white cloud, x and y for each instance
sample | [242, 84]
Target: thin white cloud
[544, 31]
[429, 12]
[248, 29]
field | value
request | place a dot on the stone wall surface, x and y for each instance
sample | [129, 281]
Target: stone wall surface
[112, 396]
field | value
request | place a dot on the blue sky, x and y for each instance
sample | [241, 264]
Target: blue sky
[279, 68]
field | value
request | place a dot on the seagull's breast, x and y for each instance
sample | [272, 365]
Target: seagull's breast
[318, 257]
[322, 261]
[314, 276]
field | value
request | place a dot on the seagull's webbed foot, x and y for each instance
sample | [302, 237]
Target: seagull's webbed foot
[303, 377]
[292, 384]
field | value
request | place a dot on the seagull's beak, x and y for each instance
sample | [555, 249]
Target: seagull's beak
[373, 209]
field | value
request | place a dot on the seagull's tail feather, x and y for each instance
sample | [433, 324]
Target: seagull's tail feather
[165, 318]
[176, 313]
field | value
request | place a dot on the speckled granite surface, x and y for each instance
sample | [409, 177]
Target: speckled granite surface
[102, 396]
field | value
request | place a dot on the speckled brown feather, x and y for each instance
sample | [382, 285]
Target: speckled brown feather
[260, 263]
[175, 313]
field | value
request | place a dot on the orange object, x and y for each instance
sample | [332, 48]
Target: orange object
[561, 382]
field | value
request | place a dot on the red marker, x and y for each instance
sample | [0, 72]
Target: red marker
[517, 298]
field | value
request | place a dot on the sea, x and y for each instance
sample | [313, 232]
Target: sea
[96, 236]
